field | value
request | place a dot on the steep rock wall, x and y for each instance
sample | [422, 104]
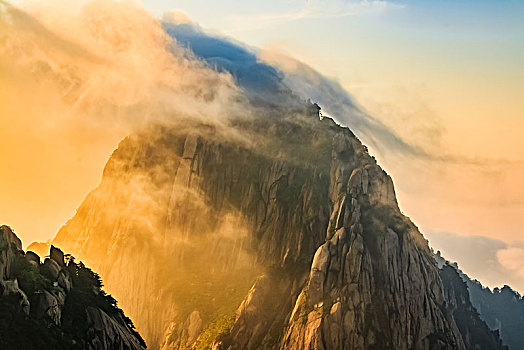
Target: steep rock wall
[186, 219]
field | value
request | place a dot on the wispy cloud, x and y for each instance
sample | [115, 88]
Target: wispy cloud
[512, 258]
[312, 9]
[76, 77]
[337, 103]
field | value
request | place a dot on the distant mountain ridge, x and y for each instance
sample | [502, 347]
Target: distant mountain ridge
[501, 308]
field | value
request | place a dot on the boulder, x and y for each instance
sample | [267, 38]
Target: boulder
[33, 257]
[57, 255]
[52, 267]
[11, 288]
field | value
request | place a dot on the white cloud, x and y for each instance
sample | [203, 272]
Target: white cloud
[176, 16]
[493, 262]
[512, 258]
[312, 9]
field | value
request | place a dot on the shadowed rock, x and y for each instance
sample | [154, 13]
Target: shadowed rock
[56, 306]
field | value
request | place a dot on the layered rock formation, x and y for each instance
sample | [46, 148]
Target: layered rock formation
[56, 304]
[187, 219]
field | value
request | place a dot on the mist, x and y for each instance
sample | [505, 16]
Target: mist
[76, 79]
[269, 74]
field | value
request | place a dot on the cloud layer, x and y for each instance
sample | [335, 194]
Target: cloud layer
[311, 9]
[268, 74]
[77, 78]
[493, 262]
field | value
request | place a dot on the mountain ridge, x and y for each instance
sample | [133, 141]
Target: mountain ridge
[501, 309]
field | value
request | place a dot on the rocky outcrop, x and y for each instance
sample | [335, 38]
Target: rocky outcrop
[183, 336]
[55, 305]
[292, 206]
[108, 332]
[261, 317]
[9, 245]
[373, 283]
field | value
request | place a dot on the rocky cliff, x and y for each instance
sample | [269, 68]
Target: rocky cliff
[57, 304]
[281, 233]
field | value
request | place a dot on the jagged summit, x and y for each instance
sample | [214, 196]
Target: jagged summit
[57, 304]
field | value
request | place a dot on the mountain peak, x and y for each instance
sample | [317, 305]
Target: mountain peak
[287, 235]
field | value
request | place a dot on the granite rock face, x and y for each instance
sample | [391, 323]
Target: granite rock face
[55, 305]
[9, 245]
[282, 234]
